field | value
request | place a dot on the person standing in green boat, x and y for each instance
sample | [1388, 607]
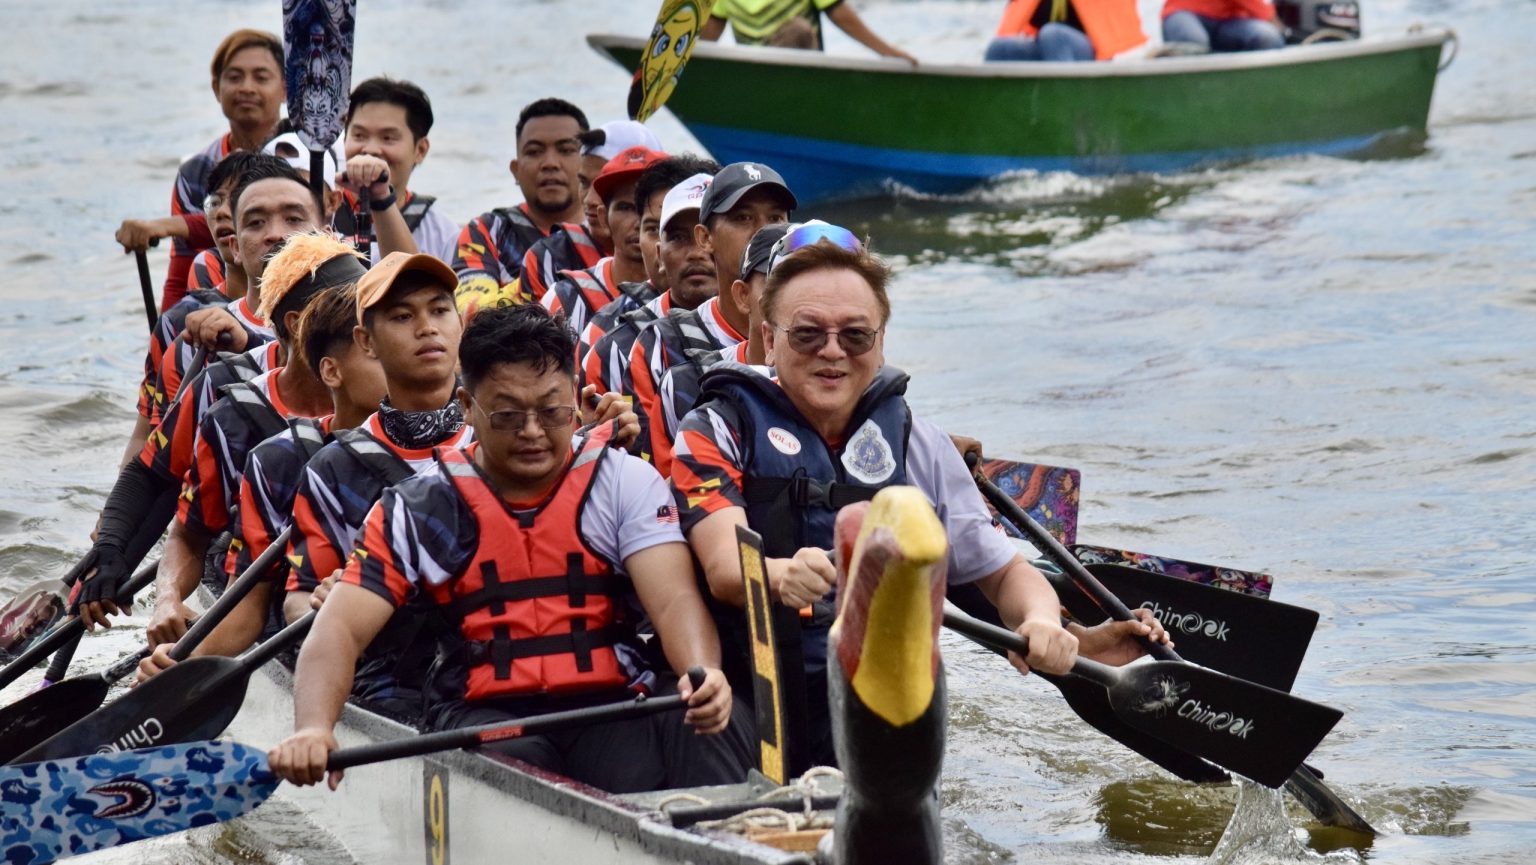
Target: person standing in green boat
[1222, 25]
[1066, 30]
[792, 24]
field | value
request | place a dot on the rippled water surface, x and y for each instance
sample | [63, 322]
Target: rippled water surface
[1319, 368]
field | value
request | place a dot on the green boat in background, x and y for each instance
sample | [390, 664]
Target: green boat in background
[841, 127]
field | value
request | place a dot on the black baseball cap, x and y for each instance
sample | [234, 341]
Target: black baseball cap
[736, 180]
[760, 248]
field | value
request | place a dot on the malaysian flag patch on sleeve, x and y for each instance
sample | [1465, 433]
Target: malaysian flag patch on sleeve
[666, 514]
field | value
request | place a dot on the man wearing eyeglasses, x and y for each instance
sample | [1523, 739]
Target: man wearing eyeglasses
[782, 449]
[533, 544]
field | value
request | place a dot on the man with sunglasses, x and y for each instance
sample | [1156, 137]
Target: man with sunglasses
[534, 544]
[782, 450]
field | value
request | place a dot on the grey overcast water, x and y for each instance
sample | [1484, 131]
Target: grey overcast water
[1320, 368]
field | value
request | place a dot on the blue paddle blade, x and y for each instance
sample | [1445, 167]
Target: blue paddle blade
[317, 47]
[61, 808]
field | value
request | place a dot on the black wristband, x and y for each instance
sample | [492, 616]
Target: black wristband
[385, 203]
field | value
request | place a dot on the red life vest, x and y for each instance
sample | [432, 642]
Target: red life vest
[536, 606]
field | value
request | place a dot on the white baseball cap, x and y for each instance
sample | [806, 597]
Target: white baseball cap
[611, 139]
[684, 197]
[288, 146]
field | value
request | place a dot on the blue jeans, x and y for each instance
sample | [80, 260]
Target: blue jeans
[1056, 42]
[1222, 34]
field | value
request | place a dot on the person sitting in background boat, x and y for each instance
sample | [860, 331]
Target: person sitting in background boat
[323, 341]
[732, 213]
[492, 247]
[782, 450]
[270, 202]
[387, 124]
[650, 192]
[1066, 30]
[600, 145]
[1221, 25]
[792, 24]
[247, 79]
[530, 497]
[247, 413]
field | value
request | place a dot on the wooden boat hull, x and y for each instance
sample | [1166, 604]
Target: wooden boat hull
[839, 127]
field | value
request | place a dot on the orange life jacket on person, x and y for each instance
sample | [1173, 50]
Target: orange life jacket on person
[1112, 26]
[536, 606]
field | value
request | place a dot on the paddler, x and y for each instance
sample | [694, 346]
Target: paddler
[324, 341]
[1221, 25]
[387, 125]
[547, 167]
[246, 414]
[598, 146]
[781, 450]
[742, 199]
[651, 191]
[247, 79]
[792, 24]
[578, 294]
[476, 537]
[269, 203]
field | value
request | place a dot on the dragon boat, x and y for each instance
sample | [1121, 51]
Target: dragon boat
[843, 127]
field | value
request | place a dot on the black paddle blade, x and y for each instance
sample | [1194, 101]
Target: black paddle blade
[43, 713]
[182, 704]
[1251, 638]
[1091, 703]
[1249, 729]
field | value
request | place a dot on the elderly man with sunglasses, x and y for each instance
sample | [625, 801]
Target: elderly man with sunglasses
[781, 449]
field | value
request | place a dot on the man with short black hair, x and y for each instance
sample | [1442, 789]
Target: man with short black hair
[547, 167]
[387, 125]
[531, 497]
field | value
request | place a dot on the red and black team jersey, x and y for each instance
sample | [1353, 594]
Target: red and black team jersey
[337, 489]
[490, 257]
[207, 272]
[579, 294]
[247, 414]
[677, 395]
[178, 357]
[168, 450]
[682, 337]
[267, 489]
[187, 200]
[568, 247]
[152, 393]
[606, 363]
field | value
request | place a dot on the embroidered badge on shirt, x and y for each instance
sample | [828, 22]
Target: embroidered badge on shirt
[868, 455]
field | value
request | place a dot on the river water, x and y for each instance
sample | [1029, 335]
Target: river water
[1319, 368]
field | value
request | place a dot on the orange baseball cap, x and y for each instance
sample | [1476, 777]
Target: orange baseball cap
[628, 165]
[376, 283]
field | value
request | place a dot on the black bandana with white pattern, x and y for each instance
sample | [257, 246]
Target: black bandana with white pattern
[421, 429]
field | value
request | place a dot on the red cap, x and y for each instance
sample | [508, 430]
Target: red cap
[628, 165]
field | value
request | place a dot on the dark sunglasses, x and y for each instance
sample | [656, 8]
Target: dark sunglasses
[809, 340]
[515, 420]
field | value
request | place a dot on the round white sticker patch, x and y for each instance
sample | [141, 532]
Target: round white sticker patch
[783, 441]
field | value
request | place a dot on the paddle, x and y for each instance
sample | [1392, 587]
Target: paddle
[1049, 493]
[44, 712]
[317, 42]
[30, 614]
[1247, 582]
[151, 309]
[767, 693]
[672, 39]
[1304, 783]
[66, 807]
[67, 629]
[196, 699]
[1255, 731]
